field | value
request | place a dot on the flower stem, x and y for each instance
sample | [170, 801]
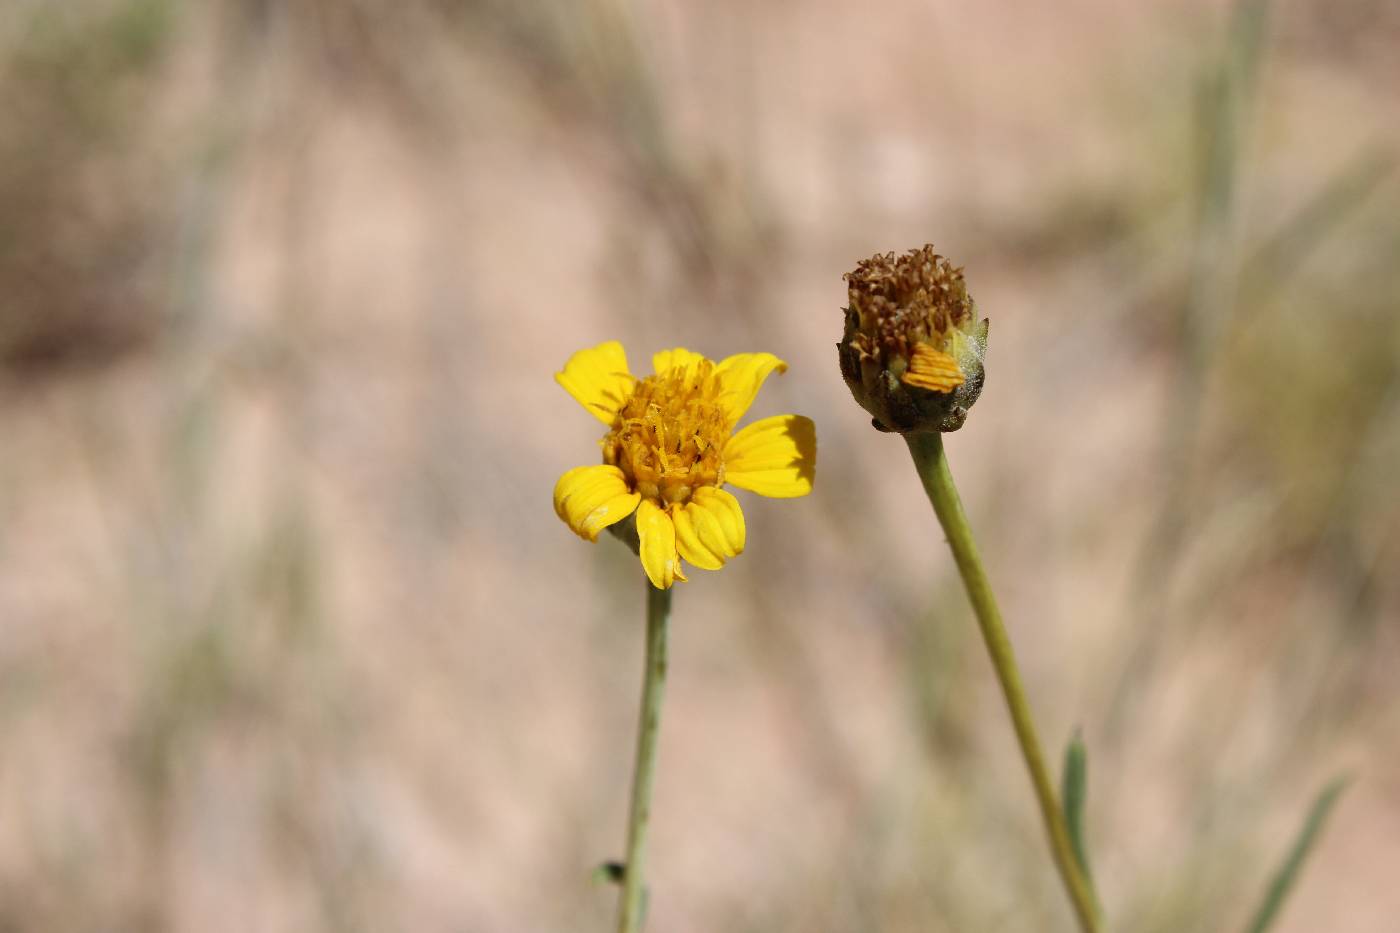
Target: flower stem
[632, 906]
[932, 464]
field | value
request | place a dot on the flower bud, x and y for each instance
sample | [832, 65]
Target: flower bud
[913, 349]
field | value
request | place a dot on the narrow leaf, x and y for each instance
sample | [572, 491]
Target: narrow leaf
[1287, 874]
[1309, 226]
[1074, 792]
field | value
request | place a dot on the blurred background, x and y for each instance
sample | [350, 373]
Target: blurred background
[290, 639]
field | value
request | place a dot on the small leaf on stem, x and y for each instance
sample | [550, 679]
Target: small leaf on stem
[1287, 874]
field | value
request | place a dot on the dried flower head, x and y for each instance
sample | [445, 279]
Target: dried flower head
[912, 351]
[671, 447]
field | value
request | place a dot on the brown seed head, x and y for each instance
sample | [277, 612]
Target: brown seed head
[912, 349]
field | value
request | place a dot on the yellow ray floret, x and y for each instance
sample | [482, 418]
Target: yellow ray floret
[709, 528]
[599, 379]
[742, 375]
[664, 361]
[775, 457]
[933, 369]
[656, 533]
[590, 498]
[671, 447]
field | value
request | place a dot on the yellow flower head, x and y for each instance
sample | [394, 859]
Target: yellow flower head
[912, 351]
[670, 449]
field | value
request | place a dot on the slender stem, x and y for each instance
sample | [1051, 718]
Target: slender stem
[932, 464]
[632, 906]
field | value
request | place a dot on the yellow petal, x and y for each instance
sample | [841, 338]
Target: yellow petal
[932, 369]
[688, 541]
[719, 521]
[742, 376]
[599, 379]
[709, 528]
[773, 457]
[590, 498]
[657, 534]
[666, 360]
[584, 482]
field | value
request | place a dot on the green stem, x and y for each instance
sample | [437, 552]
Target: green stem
[932, 464]
[632, 907]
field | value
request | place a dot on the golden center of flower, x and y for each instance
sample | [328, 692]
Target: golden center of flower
[669, 435]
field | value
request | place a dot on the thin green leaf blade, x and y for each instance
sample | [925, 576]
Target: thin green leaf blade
[1287, 874]
[1074, 794]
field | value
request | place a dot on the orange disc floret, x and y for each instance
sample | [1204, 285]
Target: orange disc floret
[669, 436]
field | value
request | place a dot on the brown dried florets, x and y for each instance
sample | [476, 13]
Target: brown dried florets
[906, 300]
[912, 350]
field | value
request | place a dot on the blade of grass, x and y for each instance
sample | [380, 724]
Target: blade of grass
[1226, 107]
[1318, 217]
[1287, 874]
[1074, 793]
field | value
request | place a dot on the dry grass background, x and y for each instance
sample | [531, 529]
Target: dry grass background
[289, 639]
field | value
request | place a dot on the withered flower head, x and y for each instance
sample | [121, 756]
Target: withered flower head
[913, 348]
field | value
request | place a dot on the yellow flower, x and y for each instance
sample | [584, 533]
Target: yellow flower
[671, 448]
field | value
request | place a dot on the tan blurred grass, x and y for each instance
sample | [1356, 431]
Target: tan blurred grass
[288, 636]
